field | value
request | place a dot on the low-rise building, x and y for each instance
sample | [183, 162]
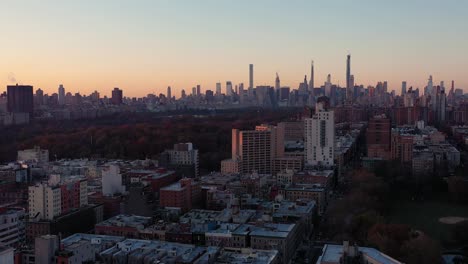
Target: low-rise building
[222, 236]
[136, 251]
[270, 236]
[229, 166]
[81, 220]
[12, 228]
[301, 212]
[183, 194]
[346, 253]
[286, 163]
[45, 247]
[112, 180]
[311, 192]
[80, 248]
[123, 225]
[183, 158]
[322, 177]
[248, 256]
[36, 155]
[220, 199]
[285, 177]
[57, 197]
[7, 254]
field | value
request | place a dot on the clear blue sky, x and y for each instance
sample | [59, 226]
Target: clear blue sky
[144, 46]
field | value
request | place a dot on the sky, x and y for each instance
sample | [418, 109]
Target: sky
[143, 46]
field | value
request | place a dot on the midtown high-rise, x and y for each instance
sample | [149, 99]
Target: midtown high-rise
[349, 85]
[251, 76]
[277, 83]
[169, 94]
[61, 95]
[117, 96]
[311, 81]
[311, 85]
[229, 91]
[218, 88]
[20, 99]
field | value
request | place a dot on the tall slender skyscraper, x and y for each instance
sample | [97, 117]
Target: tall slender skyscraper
[218, 88]
[277, 83]
[311, 81]
[61, 95]
[311, 85]
[442, 105]
[403, 88]
[229, 91]
[251, 76]
[169, 94]
[241, 92]
[349, 91]
[328, 86]
[451, 93]
[429, 86]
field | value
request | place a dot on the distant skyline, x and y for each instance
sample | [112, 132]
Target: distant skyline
[144, 46]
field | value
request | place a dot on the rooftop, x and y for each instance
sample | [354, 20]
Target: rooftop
[306, 187]
[248, 257]
[200, 216]
[135, 221]
[291, 208]
[173, 187]
[323, 173]
[273, 230]
[333, 254]
[153, 250]
[92, 238]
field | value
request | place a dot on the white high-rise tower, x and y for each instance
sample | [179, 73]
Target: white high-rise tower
[319, 133]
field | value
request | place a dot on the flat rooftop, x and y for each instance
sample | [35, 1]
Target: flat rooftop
[154, 250]
[272, 230]
[94, 239]
[248, 257]
[333, 254]
[127, 221]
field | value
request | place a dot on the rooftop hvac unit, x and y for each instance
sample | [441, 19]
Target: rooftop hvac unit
[127, 249]
[95, 241]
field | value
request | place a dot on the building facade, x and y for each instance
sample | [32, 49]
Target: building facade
[320, 137]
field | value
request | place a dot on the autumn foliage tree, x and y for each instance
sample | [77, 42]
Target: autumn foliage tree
[137, 135]
[351, 217]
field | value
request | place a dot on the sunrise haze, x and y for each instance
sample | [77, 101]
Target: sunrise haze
[144, 46]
